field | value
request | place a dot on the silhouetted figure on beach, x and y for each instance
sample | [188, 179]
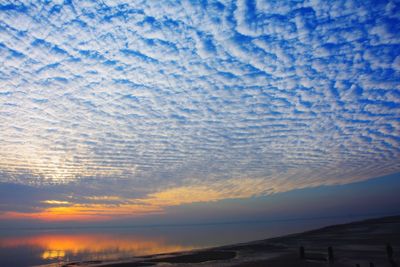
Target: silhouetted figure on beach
[302, 253]
[330, 255]
[389, 251]
[371, 264]
[358, 265]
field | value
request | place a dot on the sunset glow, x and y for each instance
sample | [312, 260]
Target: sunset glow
[60, 246]
[127, 109]
[140, 127]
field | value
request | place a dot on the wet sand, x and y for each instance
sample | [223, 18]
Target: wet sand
[362, 242]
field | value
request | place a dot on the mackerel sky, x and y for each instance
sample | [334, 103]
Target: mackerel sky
[130, 107]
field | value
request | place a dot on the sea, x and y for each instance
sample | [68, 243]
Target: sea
[57, 246]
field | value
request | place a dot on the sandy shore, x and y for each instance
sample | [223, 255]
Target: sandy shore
[362, 242]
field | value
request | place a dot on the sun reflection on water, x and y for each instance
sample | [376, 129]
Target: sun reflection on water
[54, 247]
[53, 254]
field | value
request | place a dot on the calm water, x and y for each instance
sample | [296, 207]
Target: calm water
[38, 247]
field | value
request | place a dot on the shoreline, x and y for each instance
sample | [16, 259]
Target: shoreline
[359, 242]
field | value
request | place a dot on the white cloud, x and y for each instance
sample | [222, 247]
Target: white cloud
[184, 95]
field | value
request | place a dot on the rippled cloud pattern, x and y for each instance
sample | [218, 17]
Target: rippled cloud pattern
[228, 98]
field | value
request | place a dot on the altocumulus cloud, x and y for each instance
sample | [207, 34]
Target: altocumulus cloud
[228, 98]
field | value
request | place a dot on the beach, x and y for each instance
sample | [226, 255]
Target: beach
[363, 242]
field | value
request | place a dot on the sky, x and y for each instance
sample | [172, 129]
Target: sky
[113, 109]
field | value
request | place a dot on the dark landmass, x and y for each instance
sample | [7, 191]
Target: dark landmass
[374, 242]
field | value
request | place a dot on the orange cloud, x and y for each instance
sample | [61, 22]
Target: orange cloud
[84, 212]
[109, 207]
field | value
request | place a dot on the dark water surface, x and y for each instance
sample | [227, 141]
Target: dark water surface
[56, 246]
